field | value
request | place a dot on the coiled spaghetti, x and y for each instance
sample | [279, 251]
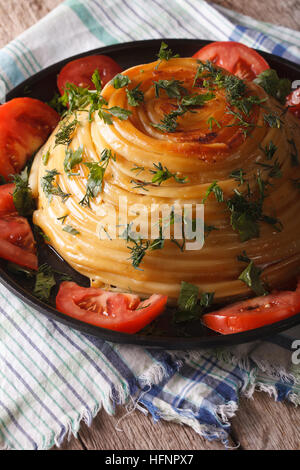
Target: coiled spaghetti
[214, 142]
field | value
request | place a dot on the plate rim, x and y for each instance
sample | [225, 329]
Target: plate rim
[136, 339]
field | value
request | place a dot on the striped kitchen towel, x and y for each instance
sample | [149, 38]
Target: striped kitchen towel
[53, 377]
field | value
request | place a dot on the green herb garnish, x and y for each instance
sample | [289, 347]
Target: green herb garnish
[71, 230]
[215, 189]
[251, 277]
[50, 188]
[44, 283]
[72, 158]
[277, 87]
[165, 53]
[22, 195]
[120, 81]
[189, 305]
[96, 175]
[135, 96]
[173, 88]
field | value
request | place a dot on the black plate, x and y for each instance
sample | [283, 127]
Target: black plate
[42, 86]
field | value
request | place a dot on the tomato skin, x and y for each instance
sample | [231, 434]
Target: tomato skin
[6, 199]
[293, 102]
[17, 242]
[80, 71]
[25, 124]
[235, 57]
[122, 312]
[254, 313]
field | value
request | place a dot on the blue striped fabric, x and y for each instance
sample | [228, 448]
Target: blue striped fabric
[53, 377]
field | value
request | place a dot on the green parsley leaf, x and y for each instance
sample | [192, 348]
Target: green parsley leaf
[120, 81]
[277, 87]
[72, 158]
[251, 277]
[135, 96]
[165, 53]
[173, 88]
[189, 307]
[22, 195]
[96, 175]
[44, 283]
[197, 99]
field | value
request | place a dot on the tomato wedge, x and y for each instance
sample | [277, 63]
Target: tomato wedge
[254, 313]
[237, 58]
[25, 124]
[111, 310]
[16, 241]
[80, 71]
[293, 102]
[6, 199]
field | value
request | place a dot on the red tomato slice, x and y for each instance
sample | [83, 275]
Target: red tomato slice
[293, 102]
[237, 58]
[80, 71]
[25, 124]
[16, 241]
[254, 313]
[6, 199]
[111, 310]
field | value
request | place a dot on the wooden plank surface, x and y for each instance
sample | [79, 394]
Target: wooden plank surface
[260, 423]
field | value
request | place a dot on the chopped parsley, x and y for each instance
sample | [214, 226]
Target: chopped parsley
[251, 277]
[173, 88]
[72, 158]
[45, 157]
[135, 96]
[120, 81]
[165, 53]
[22, 195]
[190, 307]
[96, 175]
[44, 283]
[277, 87]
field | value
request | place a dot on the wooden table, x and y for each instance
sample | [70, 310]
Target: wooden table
[260, 423]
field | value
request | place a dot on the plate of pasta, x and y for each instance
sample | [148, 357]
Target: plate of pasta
[150, 193]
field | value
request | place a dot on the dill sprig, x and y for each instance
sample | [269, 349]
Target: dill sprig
[51, 188]
[65, 133]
